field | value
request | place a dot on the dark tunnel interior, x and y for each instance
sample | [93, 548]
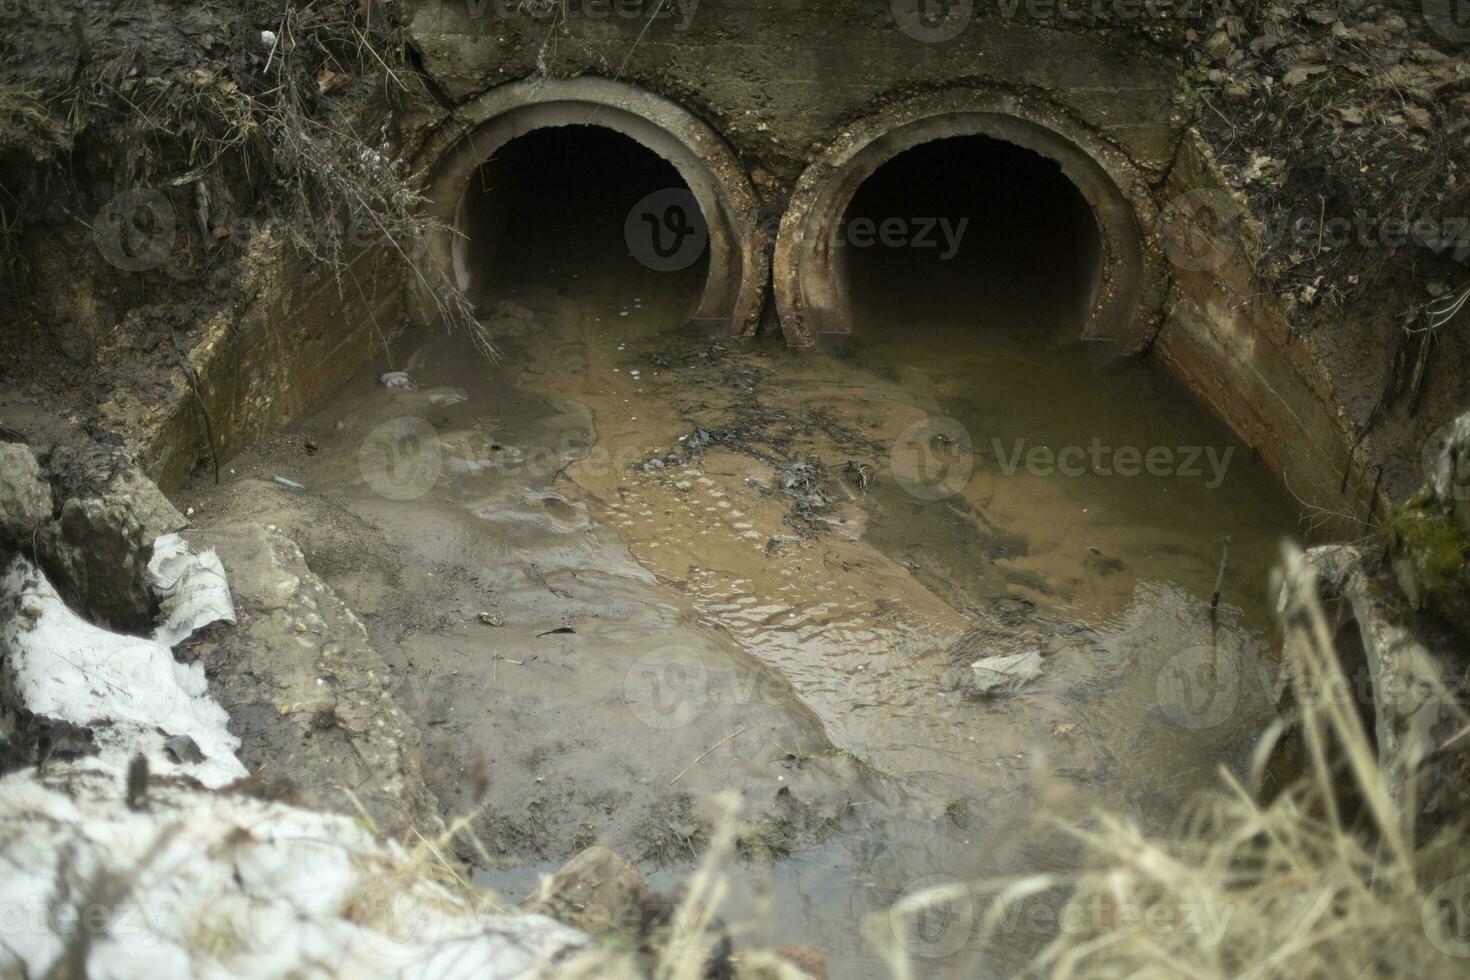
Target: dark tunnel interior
[551, 210]
[969, 233]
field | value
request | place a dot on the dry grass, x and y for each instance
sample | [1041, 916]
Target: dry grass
[25, 121]
[1328, 880]
[684, 948]
[333, 184]
[26, 127]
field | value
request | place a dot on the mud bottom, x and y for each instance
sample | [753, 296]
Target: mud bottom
[630, 566]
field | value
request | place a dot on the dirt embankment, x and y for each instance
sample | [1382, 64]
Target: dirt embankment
[153, 154]
[1345, 130]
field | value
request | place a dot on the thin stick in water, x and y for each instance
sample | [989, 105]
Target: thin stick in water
[1220, 576]
[703, 754]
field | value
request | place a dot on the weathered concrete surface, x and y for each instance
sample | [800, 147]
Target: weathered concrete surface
[784, 83]
[299, 335]
[779, 78]
[1231, 344]
[305, 689]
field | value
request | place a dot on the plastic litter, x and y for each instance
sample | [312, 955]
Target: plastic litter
[191, 588]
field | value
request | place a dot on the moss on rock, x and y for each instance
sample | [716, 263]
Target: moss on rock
[1430, 553]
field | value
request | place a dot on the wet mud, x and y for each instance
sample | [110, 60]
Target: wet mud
[633, 564]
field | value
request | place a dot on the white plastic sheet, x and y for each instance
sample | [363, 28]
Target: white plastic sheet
[191, 587]
[127, 690]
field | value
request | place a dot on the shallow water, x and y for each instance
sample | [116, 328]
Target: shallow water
[1109, 574]
[812, 655]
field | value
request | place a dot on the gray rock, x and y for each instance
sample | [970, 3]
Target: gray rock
[1002, 675]
[97, 471]
[25, 498]
[97, 552]
[1218, 45]
[305, 689]
[597, 891]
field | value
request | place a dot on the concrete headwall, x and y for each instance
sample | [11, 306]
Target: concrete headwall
[780, 82]
[1229, 342]
[781, 78]
[785, 81]
[301, 336]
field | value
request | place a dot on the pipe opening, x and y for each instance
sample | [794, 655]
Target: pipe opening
[551, 210]
[969, 233]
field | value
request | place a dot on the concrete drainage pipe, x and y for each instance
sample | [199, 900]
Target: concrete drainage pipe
[1031, 205]
[604, 125]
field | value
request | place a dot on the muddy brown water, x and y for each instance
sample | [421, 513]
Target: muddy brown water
[660, 622]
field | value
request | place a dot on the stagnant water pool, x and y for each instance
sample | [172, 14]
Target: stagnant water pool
[636, 565]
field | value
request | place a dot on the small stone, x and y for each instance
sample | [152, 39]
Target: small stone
[1002, 675]
[184, 750]
[597, 891]
[1219, 45]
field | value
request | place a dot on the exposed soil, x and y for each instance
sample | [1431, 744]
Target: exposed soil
[1343, 128]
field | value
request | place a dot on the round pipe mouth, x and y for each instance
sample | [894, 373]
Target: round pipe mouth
[737, 248]
[1129, 291]
[561, 202]
[965, 236]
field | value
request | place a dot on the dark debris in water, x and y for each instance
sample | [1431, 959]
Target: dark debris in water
[704, 376]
